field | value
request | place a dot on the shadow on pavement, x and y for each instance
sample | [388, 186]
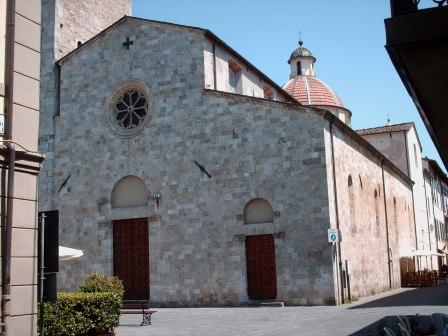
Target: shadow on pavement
[427, 296]
[422, 323]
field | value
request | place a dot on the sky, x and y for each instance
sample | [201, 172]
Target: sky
[346, 36]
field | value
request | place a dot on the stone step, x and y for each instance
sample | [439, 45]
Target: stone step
[279, 304]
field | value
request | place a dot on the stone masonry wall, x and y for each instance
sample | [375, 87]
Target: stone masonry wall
[251, 147]
[362, 223]
[64, 23]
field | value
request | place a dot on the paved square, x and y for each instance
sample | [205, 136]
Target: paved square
[360, 318]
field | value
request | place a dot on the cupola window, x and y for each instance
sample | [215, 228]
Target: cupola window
[299, 68]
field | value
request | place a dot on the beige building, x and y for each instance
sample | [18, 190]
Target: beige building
[400, 144]
[20, 163]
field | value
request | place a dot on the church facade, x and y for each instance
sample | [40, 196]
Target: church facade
[178, 166]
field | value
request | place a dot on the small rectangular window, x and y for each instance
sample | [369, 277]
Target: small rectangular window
[415, 156]
[268, 92]
[235, 78]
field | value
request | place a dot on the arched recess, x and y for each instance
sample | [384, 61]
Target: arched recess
[395, 214]
[130, 191]
[377, 213]
[351, 198]
[258, 211]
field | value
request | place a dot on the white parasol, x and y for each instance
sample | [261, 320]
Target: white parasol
[67, 253]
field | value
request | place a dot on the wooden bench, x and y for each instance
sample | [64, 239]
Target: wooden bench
[139, 307]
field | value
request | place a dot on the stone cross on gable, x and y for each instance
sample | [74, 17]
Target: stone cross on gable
[127, 43]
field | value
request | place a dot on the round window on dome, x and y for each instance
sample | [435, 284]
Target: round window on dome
[130, 108]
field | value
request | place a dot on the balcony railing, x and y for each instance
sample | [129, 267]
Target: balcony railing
[400, 7]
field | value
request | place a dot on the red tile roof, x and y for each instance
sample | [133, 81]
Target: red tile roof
[309, 90]
[386, 129]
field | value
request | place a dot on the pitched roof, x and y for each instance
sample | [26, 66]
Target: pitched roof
[386, 129]
[439, 171]
[389, 129]
[206, 32]
[117, 23]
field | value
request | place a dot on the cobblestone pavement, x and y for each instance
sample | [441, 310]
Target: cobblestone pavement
[359, 318]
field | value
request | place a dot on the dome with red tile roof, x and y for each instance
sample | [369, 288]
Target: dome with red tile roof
[309, 90]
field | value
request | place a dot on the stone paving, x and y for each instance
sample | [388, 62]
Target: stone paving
[359, 318]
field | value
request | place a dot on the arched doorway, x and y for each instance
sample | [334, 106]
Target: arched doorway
[131, 239]
[260, 253]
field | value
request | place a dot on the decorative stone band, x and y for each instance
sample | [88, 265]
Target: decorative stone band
[241, 216]
[242, 237]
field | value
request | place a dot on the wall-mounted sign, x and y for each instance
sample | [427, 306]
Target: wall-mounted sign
[2, 124]
[333, 235]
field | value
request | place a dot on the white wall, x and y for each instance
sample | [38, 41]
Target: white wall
[425, 238]
[251, 83]
[306, 65]
[393, 146]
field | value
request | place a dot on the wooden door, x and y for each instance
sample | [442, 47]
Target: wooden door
[131, 257]
[261, 271]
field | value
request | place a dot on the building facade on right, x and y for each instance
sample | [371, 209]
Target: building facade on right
[400, 144]
[436, 183]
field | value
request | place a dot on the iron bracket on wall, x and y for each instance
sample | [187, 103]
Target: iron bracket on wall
[280, 234]
[239, 237]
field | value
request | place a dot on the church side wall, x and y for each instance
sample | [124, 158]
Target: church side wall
[250, 147]
[362, 216]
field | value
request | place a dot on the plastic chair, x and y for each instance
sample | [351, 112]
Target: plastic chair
[404, 321]
[389, 332]
[440, 323]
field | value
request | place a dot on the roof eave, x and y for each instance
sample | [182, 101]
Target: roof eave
[214, 37]
[117, 23]
[368, 145]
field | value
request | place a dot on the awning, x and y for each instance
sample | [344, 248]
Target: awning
[442, 247]
[418, 253]
[67, 253]
[444, 251]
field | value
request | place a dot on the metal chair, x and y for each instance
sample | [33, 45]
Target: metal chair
[440, 323]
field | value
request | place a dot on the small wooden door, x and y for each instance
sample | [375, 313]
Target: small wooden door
[261, 271]
[131, 257]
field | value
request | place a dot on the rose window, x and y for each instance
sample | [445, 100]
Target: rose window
[131, 109]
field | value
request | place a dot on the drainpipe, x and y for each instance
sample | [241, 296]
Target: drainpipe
[335, 192]
[7, 229]
[412, 193]
[214, 67]
[415, 225]
[389, 261]
[429, 232]
[427, 217]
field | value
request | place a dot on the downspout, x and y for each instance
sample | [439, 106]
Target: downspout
[389, 261]
[412, 191]
[214, 67]
[427, 217]
[429, 232]
[7, 229]
[335, 192]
